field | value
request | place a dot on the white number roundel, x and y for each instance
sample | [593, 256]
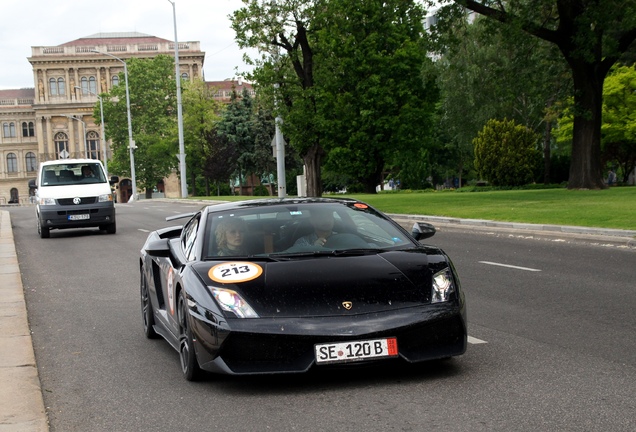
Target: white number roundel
[235, 272]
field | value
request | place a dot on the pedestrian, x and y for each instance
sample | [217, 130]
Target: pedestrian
[611, 178]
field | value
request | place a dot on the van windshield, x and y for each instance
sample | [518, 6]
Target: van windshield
[72, 173]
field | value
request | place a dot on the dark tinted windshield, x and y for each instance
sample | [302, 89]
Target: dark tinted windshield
[300, 228]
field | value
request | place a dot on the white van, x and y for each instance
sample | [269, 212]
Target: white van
[74, 193]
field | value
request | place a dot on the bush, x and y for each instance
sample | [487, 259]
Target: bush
[506, 153]
[261, 190]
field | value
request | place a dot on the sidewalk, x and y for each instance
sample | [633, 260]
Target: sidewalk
[21, 404]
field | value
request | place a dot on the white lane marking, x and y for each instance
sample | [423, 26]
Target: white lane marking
[143, 230]
[475, 341]
[509, 266]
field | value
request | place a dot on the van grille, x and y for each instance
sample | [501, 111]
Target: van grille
[84, 200]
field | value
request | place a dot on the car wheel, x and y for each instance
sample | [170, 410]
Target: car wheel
[187, 355]
[43, 231]
[147, 314]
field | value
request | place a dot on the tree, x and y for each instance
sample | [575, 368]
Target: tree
[591, 35]
[236, 126]
[494, 71]
[284, 25]
[200, 115]
[619, 119]
[506, 153]
[154, 123]
[369, 70]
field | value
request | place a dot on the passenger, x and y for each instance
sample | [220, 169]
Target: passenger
[230, 235]
[322, 220]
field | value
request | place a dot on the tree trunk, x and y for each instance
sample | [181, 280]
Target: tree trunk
[585, 167]
[312, 159]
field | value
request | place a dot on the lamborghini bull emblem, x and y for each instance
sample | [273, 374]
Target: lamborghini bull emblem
[347, 305]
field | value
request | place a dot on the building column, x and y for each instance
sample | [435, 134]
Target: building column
[49, 146]
[68, 86]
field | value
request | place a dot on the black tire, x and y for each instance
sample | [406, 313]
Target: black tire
[147, 314]
[43, 231]
[187, 355]
[112, 228]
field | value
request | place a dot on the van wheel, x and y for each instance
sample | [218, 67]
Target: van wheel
[43, 231]
[112, 228]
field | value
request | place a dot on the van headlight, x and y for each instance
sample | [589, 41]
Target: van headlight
[46, 201]
[105, 198]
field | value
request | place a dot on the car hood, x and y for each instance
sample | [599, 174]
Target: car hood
[334, 285]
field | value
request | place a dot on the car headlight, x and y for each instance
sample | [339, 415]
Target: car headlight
[47, 201]
[442, 286]
[231, 301]
[105, 198]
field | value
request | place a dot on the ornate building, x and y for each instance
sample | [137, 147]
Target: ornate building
[54, 119]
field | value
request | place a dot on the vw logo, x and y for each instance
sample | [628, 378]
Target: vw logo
[77, 200]
[347, 305]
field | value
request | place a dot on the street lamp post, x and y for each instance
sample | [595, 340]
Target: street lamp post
[182, 156]
[131, 142]
[101, 111]
[84, 129]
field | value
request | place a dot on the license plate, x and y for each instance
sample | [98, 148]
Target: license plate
[356, 350]
[79, 217]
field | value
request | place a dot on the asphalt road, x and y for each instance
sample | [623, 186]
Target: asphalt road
[552, 327]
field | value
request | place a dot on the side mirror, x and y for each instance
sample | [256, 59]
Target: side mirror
[114, 179]
[158, 248]
[32, 184]
[422, 230]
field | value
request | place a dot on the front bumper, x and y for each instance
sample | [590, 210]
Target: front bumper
[262, 346]
[58, 216]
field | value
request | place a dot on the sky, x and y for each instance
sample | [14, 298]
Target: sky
[27, 23]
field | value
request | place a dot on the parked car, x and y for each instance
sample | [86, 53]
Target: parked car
[285, 285]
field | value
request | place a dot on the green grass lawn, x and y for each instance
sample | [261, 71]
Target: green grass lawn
[610, 208]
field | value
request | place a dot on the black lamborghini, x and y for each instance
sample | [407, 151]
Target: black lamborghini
[285, 285]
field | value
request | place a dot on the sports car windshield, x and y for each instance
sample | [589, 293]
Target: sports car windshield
[312, 229]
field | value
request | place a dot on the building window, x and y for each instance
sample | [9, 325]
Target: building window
[27, 129]
[115, 80]
[12, 163]
[92, 141]
[53, 87]
[61, 87]
[61, 145]
[8, 130]
[57, 87]
[89, 85]
[30, 162]
[185, 76]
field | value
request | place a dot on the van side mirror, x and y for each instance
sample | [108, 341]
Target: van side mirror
[32, 184]
[114, 179]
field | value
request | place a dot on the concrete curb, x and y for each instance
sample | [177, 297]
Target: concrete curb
[21, 403]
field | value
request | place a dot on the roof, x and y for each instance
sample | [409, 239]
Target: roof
[119, 38]
[23, 93]
[229, 84]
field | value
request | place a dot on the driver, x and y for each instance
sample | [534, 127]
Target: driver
[322, 220]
